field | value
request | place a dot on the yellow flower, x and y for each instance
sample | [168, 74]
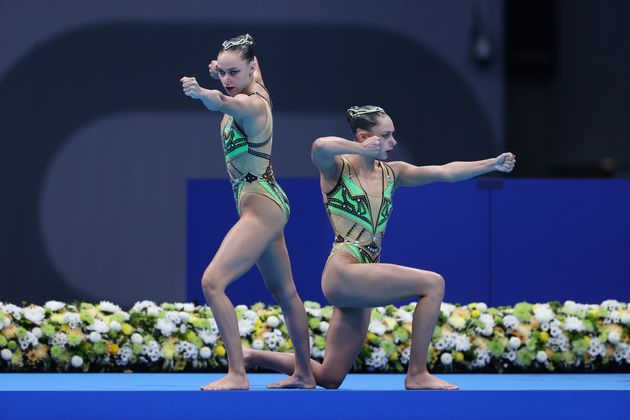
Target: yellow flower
[587, 340]
[220, 351]
[476, 313]
[394, 356]
[543, 337]
[127, 329]
[459, 356]
[595, 312]
[461, 312]
[10, 331]
[113, 349]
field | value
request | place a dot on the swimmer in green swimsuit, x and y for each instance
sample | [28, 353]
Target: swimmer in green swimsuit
[257, 237]
[358, 187]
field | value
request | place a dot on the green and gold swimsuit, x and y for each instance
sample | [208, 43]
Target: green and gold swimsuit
[359, 219]
[248, 161]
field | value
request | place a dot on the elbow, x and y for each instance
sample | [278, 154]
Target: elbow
[317, 147]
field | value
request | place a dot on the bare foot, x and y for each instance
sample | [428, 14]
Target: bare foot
[428, 381]
[293, 382]
[231, 381]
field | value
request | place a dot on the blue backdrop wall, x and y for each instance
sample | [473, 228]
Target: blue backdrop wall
[494, 240]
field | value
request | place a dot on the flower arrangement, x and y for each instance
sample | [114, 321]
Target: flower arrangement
[174, 337]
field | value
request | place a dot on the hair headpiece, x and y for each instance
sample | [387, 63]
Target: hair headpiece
[235, 42]
[355, 111]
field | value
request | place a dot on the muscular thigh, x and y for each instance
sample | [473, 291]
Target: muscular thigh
[350, 284]
[260, 223]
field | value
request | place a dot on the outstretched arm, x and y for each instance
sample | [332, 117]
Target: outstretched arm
[410, 175]
[239, 106]
[325, 152]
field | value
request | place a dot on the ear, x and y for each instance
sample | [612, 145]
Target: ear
[362, 135]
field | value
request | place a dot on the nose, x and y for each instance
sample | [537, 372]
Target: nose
[394, 142]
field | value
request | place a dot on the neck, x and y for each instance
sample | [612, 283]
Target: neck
[250, 88]
[364, 163]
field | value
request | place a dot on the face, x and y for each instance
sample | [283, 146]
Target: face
[384, 129]
[234, 72]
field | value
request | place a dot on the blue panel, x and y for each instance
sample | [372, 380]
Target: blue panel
[561, 239]
[443, 228]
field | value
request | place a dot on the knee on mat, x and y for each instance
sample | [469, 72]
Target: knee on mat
[331, 382]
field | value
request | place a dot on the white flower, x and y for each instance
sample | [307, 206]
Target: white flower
[613, 318]
[73, 319]
[6, 354]
[377, 360]
[186, 307]
[208, 337]
[482, 358]
[596, 348]
[462, 342]
[611, 304]
[316, 312]
[404, 316]
[241, 308]
[446, 309]
[514, 343]
[37, 332]
[457, 322]
[154, 310]
[273, 339]
[186, 349]
[625, 318]
[488, 322]
[510, 355]
[98, 326]
[404, 356]
[106, 306]
[377, 327]
[541, 356]
[139, 306]
[316, 353]
[482, 307]
[273, 321]
[165, 326]
[54, 305]
[59, 339]
[381, 310]
[205, 353]
[245, 327]
[6, 322]
[94, 337]
[572, 323]
[28, 340]
[446, 359]
[614, 337]
[173, 316]
[152, 351]
[124, 356]
[323, 327]
[115, 326]
[35, 314]
[15, 311]
[251, 316]
[136, 338]
[543, 313]
[76, 361]
[258, 344]
[511, 322]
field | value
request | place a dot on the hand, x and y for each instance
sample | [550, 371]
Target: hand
[191, 87]
[505, 162]
[213, 68]
[374, 147]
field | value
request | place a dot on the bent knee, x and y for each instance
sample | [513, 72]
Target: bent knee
[285, 294]
[438, 284]
[331, 382]
[212, 283]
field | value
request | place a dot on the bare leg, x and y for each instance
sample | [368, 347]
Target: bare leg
[346, 335]
[241, 247]
[365, 285]
[275, 268]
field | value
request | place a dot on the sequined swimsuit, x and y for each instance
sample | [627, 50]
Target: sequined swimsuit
[248, 161]
[359, 219]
